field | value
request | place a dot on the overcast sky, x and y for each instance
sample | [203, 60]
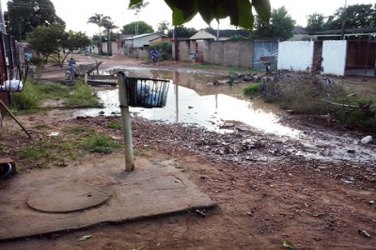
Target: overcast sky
[76, 12]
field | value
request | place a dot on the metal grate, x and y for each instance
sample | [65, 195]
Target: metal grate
[146, 92]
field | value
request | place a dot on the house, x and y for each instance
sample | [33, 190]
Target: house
[218, 35]
[300, 34]
[136, 45]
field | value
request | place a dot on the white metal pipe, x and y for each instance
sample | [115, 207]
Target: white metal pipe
[126, 122]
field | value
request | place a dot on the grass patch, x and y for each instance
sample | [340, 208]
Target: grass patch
[114, 125]
[312, 95]
[72, 144]
[99, 144]
[252, 89]
[82, 97]
[78, 96]
[49, 152]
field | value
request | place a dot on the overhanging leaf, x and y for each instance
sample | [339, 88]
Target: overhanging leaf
[182, 13]
[262, 8]
[134, 2]
[205, 8]
[245, 14]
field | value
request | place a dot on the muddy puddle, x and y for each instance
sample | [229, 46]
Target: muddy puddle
[193, 100]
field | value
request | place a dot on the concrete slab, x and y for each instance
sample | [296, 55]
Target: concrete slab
[153, 189]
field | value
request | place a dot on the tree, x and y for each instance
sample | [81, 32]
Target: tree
[23, 16]
[98, 20]
[163, 27]
[72, 41]
[239, 11]
[280, 26]
[46, 40]
[51, 40]
[316, 22]
[182, 32]
[356, 16]
[143, 28]
[109, 26]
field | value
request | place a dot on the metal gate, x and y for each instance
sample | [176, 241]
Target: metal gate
[265, 49]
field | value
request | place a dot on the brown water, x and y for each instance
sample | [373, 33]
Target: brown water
[192, 99]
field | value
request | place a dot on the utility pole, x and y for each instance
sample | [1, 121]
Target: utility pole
[343, 21]
[2, 22]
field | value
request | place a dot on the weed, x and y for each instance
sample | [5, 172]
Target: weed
[82, 97]
[99, 144]
[252, 89]
[114, 125]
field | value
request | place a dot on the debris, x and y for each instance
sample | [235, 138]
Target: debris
[288, 244]
[54, 134]
[200, 213]
[351, 151]
[372, 202]
[85, 237]
[366, 139]
[364, 233]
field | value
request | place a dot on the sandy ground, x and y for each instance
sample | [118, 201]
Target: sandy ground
[265, 196]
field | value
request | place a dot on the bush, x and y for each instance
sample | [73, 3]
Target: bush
[28, 99]
[165, 50]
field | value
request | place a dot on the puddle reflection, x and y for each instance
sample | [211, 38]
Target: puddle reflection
[192, 101]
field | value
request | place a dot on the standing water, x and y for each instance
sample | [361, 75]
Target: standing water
[192, 99]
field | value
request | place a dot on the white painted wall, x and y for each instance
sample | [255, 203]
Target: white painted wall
[334, 57]
[295, 55]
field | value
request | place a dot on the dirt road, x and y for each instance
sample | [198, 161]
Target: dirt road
[267, 196]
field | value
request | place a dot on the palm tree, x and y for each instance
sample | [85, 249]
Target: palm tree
[108, 25]
[98, 20]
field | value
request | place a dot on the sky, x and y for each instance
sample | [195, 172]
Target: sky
[76, 12]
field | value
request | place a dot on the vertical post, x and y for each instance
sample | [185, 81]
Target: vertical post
[126, 122]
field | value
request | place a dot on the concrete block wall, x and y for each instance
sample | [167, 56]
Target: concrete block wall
[229, 53]
[334, 57]
[295, 55]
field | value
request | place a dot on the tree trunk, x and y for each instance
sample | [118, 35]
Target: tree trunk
[109, 52]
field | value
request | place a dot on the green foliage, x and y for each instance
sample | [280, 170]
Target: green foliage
[34, 93]
[96, 143]
[305, 94]
[37, 60]
[141, 26]
[357, 16]
[114, 125]
[28, 99]
[252, 89]
[240, 11]
[23, 16]
[315, 22]
[165, 50]
[75, 40]
[280, 26]
[238, 38]
[46, 40]
[182, 32]
[97, 19]
[82, 97]
[163, 27]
